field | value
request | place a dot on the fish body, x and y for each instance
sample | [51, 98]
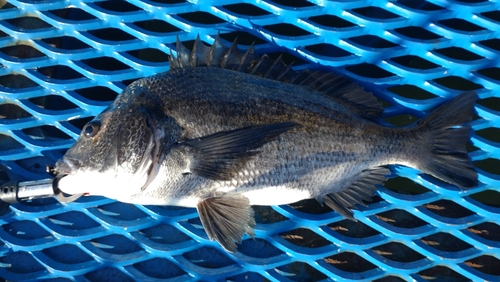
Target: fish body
[222, 131]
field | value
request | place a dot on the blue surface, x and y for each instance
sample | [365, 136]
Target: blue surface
[413, 55]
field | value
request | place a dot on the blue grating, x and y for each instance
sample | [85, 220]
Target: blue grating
[62, 62]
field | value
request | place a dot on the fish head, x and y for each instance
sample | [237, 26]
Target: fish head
[116, 152]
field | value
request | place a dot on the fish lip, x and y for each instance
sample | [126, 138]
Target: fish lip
[66, 166]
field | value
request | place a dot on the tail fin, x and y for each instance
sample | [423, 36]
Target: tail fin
[449, 160]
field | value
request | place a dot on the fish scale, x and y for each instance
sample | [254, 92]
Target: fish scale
[246, 130]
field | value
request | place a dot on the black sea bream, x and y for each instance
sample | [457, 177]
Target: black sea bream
[223, 130]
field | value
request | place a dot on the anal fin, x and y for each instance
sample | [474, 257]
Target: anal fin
[362, 189]
[226, 219]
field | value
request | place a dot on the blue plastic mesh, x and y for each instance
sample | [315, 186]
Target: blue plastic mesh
[63, 61]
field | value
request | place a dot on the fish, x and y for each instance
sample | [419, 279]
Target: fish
[226, 129]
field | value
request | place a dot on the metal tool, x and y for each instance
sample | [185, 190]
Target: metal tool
[12, 192]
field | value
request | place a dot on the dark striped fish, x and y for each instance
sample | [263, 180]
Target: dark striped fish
[224, 130]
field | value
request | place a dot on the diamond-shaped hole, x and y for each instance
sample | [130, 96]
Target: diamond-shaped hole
[414, 62]
[106, 64]
[493, 73]
[4, 5]
[458, 53]
[35, 164]
[401, 120]
[488, 197]
[21, 51]
[111, 34]
[9, 143]
[369, 70]
[258, 248]
[159, 268]
[300, 271]
[411, 91]
[20, 262]
[53, 103]
[445, 242]
[331, 21]
[457, 83]
[375, 13]
[11, 111]
[490, 103]
[98, 93]
[244, 38]
[28, 23]
[354, 229]
[286, 29]
[121, 6]
[122, 211]
[266, 215]
[59, 72]
[74, 14]
[294, 3]
[26, 230]
[492, 15]
[66, 43]
[16, 81]
[372, 41]
[420, 5]
[149, 55]
[486, 264]
[201, 18]
[115, 244]
[287, 58]
[417, 32]
[306, 238]
[404, 185]
[164, 234]
[310, 206]
[73, 220]
[490, 133]
[169, 1]
[491, 43]
[246, 9]
[490, 165]
[397, 252]
[67, 254]
[487, 230]
[208, 258]
[400, 218]
[327, 50]
[157, 26]
[349, 262]
[390, 278]
[462, 25]
[108, 274]
[447, 208]
[441, 273]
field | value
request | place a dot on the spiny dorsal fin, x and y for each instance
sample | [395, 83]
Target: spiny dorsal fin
[339, 88]
[361, 189]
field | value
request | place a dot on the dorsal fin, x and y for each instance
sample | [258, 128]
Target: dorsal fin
[336, 87]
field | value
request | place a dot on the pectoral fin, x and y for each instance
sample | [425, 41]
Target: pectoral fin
[221, 155]
[362, 189]
[226, 219]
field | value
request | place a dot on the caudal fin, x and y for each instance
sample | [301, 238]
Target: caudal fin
[448, 159]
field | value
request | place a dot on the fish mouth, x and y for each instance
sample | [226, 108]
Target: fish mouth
[67, 166]
[64, 167]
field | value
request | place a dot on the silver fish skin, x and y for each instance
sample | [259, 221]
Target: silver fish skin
[222, 131]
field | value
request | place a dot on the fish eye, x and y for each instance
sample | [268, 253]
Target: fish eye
[91, 129]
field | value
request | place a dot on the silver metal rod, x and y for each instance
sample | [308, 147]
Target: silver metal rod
[35, 189]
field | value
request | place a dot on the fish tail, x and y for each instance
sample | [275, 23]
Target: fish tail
[447, 136]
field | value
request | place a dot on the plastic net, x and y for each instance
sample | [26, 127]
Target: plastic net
[63, 62]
